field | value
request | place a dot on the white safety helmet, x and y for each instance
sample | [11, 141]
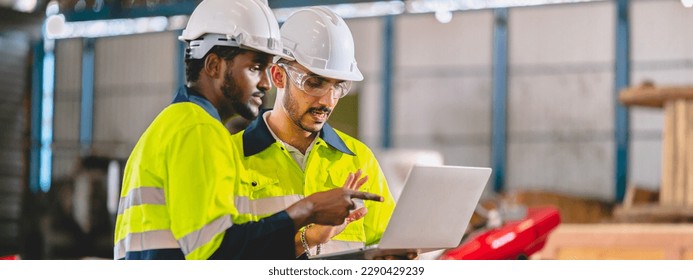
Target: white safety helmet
[239, 23]
[321, 41]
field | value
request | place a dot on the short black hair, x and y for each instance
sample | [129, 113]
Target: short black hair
[193, 66]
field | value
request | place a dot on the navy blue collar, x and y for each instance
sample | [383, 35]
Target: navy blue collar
[186, 94]
[257, 137]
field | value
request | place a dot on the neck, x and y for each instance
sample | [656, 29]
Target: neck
[207, 91]
[287, 131]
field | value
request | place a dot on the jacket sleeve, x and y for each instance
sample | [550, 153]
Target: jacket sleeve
[201, 177]
[271, 238]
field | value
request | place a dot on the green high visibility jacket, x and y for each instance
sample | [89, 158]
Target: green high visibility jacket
[271, 180]
[177, 194]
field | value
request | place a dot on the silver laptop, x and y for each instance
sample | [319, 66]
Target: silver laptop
[432, 212]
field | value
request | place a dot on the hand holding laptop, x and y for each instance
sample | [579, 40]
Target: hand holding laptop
[320, 234]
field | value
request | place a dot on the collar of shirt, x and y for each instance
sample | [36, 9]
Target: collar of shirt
[257, 137]
[186, 94]
[295, 153]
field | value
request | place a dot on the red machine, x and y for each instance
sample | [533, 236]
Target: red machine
[11, 257]
[513, 240]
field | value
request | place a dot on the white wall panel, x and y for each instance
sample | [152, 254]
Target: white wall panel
[442, 86]
[560, 99]
[661, 30]
[559, 34]
[67, 98]
[367, 33]
[134, 81]
[466, 40]
[578, 168]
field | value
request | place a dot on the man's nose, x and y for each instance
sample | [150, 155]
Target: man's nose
[264, 84]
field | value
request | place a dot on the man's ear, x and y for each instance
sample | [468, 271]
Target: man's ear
[278, 76]
[212, 66]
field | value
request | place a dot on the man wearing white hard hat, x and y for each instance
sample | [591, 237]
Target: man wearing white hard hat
[293, 145]
[177, 195]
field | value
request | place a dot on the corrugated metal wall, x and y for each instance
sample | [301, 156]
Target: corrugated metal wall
[133, 80]
[442, 84]
[67, 96]
[560, 99]
[14, 67]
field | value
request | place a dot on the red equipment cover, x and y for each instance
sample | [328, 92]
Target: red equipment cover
[513, 240]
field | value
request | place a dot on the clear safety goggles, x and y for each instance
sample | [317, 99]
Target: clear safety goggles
[315, 85]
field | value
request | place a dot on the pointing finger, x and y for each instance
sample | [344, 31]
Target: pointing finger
[365, 195]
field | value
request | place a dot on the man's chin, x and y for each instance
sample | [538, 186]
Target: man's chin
[249, 113]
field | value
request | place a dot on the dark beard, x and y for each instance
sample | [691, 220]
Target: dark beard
[291, 108]
[233, 103]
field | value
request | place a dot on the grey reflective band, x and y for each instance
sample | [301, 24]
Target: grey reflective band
[141, 241]
[265, 206]
[142, 195]
[198, 238]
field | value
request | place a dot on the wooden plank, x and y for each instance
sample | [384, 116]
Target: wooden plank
[653, 213]
[666, 193]
[611, 253]
[680, 154]
[651, 96]
[619, 241]
[689, 154]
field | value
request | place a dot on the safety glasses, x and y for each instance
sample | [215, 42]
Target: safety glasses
[315, 85]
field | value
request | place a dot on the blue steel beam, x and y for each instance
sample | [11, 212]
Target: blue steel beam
[86, 123]
[622, 80]
[115, 10]
[499, 99]
[386, 74]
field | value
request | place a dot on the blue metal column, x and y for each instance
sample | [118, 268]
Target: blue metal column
[621, 118]
[86, 124]
[386, 74]
[46, 115]
[499, 118]
[36, 117]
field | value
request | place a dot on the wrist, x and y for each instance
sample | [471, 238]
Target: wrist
[305, 243]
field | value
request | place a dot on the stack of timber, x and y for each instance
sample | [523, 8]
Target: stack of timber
[619, 242]
[676, 191]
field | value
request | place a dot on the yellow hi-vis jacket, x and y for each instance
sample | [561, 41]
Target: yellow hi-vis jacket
[177, 194]
[271, 179]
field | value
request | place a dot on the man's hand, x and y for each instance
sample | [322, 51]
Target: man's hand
[320, 233]
[330, 207]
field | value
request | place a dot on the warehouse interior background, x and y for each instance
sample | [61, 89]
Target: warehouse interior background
[529, 88]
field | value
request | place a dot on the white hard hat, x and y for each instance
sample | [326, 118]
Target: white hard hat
[239, 23]
[321, 41]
